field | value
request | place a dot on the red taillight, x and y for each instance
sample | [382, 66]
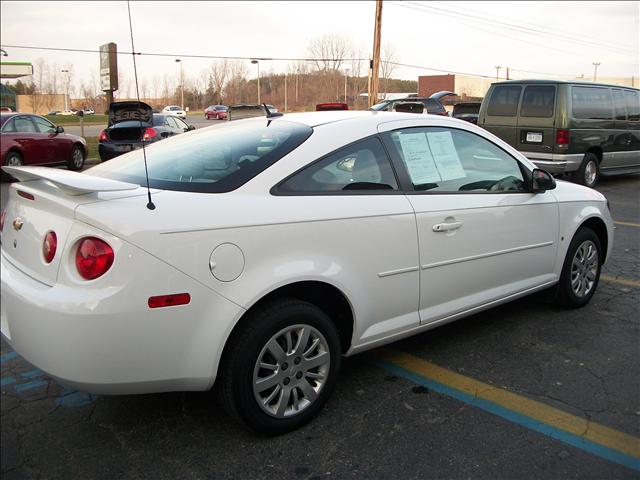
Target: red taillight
[562, 137]
[103, 137]
[149, 133]
[93, 258]
[169, 300]
[3, 216]
[49, 246]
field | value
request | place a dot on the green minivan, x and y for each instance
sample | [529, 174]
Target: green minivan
[577, 128]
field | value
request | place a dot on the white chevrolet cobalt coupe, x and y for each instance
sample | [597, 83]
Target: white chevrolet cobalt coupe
[276, 246]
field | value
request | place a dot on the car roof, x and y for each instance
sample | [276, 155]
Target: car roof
[315, 119]
[565, 82]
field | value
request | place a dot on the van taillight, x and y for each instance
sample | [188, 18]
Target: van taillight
[103, 137]
[149, 133]
[562, 137]
[93, 258]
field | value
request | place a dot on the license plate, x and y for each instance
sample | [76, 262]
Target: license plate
[534, 137]
[124, 148]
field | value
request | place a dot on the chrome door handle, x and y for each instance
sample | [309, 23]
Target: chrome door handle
[446, 227]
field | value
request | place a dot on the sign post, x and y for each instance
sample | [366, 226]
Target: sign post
[109, 70]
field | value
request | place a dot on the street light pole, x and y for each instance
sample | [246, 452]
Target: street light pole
[181, 84]
[285, 93]
[346, 76]
[257, 64]
[497, 67]
[66, 90]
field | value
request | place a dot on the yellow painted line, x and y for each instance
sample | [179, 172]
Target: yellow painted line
[627, 282]
[628, 224]
[581, 427]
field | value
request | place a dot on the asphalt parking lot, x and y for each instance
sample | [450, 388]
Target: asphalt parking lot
[525, 390]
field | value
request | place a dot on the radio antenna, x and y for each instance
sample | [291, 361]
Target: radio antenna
[150, 205]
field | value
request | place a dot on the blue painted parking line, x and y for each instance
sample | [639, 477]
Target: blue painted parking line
[7, 381]
[32, 373]
[7, 356]
[30, 385]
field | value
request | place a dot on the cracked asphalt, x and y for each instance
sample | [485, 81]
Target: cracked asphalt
[376, 425]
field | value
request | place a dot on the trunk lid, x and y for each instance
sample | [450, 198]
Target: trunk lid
[45, 200]
[126, 111]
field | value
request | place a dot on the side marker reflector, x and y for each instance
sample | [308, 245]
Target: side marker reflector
[169, 300]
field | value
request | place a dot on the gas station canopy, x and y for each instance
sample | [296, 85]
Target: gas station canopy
[15, 69]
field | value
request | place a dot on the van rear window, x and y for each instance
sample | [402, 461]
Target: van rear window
[591, 103]
[538, 101]
[504, 101]
[632, 99]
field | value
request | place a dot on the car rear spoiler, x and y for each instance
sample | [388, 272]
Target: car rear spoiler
[72, 183]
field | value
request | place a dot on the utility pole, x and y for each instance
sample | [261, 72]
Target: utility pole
[66, 90]
[181, 84]
[297, 73]
[508, 74]
[346, 76]
[257, 64]
[497, 67]
[595, 70]
[375, 64]
[285, 93]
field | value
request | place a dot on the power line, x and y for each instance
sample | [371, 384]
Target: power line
[612, 44]
[213, 57]
[523, 29]
[156, 54]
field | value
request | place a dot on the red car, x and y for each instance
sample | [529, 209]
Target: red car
[27, 139]
[218, 112]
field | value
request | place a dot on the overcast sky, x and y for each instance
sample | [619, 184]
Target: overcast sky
[534, 39]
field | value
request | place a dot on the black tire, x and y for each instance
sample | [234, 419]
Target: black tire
[239, 367]
[76, 159]
[573, 276]
[13, 159]
[589, 172]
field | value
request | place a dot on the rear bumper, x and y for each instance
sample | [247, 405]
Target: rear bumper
[107, 151]
[555, 162]
[105, 339]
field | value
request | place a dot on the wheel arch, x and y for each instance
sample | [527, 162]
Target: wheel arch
[325, 296]
[600, 229]
[597, 151]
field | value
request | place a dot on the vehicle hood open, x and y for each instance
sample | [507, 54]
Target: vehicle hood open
[125, 111]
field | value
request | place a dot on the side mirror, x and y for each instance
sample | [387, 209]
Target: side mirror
[190, 127]
[59, 129]
[541, 181]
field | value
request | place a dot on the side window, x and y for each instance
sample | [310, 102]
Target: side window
[632, 100]
[43, 125]
[180, 125]
[538, 101]
[171, 122]
[591, 103]
[619, 105]
[504, 101]
[9, 126]
[24, 125]
[449, 160]
[361, 166]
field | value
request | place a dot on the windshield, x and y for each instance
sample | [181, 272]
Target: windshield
[174, 108]
[380, 106]
[215, 159]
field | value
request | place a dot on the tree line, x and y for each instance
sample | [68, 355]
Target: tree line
[334, 73]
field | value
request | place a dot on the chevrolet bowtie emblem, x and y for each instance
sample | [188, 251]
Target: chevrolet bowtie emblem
[17, 224]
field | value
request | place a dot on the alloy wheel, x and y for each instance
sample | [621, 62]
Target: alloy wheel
[584, 269]
[291, 370]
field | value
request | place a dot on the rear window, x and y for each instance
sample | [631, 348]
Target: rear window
[504, 101]
[212, 160]
[538, 101]
[591, 103]
[632, 100]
